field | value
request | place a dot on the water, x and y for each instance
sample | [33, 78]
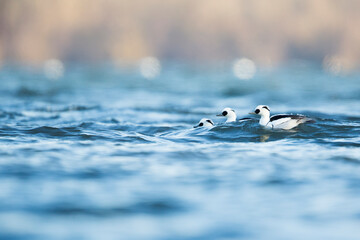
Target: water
[104, 154]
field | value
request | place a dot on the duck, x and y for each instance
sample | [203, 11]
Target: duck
[230, 115]
[205, 122]
[280, 121]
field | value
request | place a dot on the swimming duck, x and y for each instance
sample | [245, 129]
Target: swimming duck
[281, 121]
[205, 122]
[230, 115]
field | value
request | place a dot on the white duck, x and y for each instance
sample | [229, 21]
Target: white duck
[281, 121]
[205, 122]
[230, 115]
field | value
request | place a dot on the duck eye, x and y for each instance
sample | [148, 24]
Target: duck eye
[257, 111]
[201, 124]
[224, 113]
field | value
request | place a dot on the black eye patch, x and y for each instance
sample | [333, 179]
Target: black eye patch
[224, 113]
[201, 124]
[257, 111]
[209, 121]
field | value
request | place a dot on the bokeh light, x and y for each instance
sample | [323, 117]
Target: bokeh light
[333, 65]
[53, 69]
[150, 67]
[244, 68]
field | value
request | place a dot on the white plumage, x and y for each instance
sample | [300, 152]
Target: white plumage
[230, 115]
[205, 122]
[281, 121]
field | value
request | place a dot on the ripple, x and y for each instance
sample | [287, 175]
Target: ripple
[48, 131]
[9, 115]
[151, 207]
[111, 151]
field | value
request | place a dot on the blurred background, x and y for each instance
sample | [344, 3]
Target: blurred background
[98, 99]
[323, 32]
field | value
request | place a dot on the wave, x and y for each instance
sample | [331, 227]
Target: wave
[153, 207]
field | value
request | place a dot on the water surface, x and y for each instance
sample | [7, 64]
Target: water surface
[103, 153]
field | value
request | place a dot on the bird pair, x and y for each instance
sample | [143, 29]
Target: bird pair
[281, 121]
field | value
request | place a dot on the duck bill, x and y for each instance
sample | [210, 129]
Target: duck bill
[253, 113]
[219, 115]
[196, 126]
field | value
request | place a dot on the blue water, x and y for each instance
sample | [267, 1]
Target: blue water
[103, 153]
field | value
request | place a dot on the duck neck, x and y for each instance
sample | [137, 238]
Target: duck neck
[231, 117]
[265, 119]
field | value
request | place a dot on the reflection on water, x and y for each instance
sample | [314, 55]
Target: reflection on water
[105, 153]
[264, 138]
